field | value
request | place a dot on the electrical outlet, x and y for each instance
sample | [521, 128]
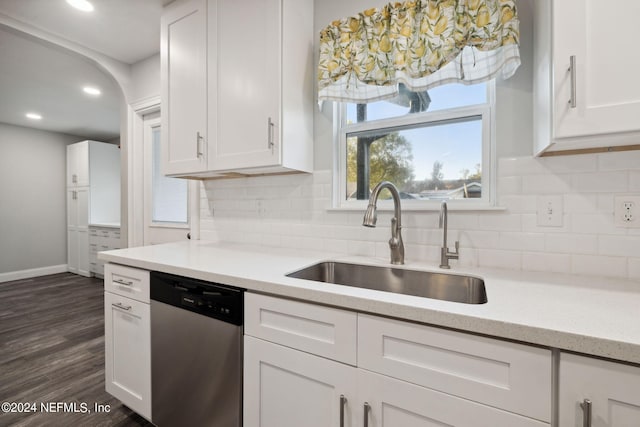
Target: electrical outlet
[626, 210]
[550, 211]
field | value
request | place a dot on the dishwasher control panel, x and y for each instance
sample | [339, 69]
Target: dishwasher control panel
[206, 298]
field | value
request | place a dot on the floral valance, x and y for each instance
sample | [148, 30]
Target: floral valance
[422, 44]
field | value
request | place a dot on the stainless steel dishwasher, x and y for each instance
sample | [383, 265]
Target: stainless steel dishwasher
[196, 352]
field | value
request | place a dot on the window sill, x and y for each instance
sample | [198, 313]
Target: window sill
[422, 207]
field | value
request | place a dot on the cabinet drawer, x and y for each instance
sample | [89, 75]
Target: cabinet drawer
[127, 281]
[502, 374]
[324, 331]
[114, 243]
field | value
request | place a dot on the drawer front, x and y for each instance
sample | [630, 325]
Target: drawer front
[114, 243]
[127, 281]
[323, 331]
[509, 376]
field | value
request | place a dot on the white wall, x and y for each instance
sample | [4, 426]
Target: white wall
[32, 198]
[145, 78]
[291, 211]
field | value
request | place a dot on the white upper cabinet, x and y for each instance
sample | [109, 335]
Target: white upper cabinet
[184, 87]
[586, 93]
[237, 82]
[78, 164]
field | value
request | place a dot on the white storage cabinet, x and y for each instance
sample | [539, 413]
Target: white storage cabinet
[302, 367]
[237, 85]
[585, 87]
[93, 196]
[101, 239]
[128, 337]
[595, 392]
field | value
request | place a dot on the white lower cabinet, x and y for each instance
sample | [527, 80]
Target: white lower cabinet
[441, 377]
[606, 392]
[101, 239]
[388, 402]
[289, 388]
[128, 350]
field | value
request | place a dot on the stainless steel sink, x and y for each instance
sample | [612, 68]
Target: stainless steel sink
[444, 286]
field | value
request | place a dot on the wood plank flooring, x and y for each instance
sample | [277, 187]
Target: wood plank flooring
[52, 350]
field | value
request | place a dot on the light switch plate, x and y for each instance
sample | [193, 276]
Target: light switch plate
[550, 211]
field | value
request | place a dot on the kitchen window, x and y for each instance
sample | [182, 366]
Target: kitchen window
[433, 145]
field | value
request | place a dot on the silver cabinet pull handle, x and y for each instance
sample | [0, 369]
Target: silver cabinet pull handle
[343, 401]
[199, 143]
[74, 178]
[572, 72]
[586, 413]
[120, 306]
[123, 282]
[270, 131]
[367, 408]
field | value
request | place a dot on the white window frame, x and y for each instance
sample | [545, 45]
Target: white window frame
[487, 113]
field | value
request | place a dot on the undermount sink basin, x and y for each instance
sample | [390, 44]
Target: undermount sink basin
[443, 286]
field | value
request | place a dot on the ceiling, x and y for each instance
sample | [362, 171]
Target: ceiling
[36, 76]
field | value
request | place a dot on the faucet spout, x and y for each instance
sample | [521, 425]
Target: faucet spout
[445, 255]
[396, 246]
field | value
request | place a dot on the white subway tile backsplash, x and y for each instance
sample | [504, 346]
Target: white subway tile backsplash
[519, 241]
[518, 166]
[546, 184]
[509, 185]
[518, 203]
[580, 203]
[552, 262]
[622, 160]
[501, 221]
[571, 243]
[570, 164]
[634, 269]
[599, 182]
[599, 265]
[626, 246]
[511, 260]
[597, 223]
[294, 211]
[634, 181]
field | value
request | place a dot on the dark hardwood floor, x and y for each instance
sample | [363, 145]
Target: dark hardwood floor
[52, 350]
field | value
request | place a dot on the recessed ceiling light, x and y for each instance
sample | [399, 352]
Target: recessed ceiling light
[82, 5]
[33, 116]
[91, 90]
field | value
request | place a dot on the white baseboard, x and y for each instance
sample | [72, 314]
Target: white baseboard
[33, 272]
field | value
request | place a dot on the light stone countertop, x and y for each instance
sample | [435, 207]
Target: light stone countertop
[591, 315]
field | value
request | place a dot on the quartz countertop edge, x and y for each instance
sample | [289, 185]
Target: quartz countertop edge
[590, 315]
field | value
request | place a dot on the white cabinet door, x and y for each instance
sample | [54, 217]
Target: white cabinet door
[78, 164]
[387, 402]
[128, 352]
[184, 87]
[72, 251]
[78, 230]
[612, 388]
[603, 39]
[289, 388]
[248, 84]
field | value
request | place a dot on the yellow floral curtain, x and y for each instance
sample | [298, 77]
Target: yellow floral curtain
[422, 44]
